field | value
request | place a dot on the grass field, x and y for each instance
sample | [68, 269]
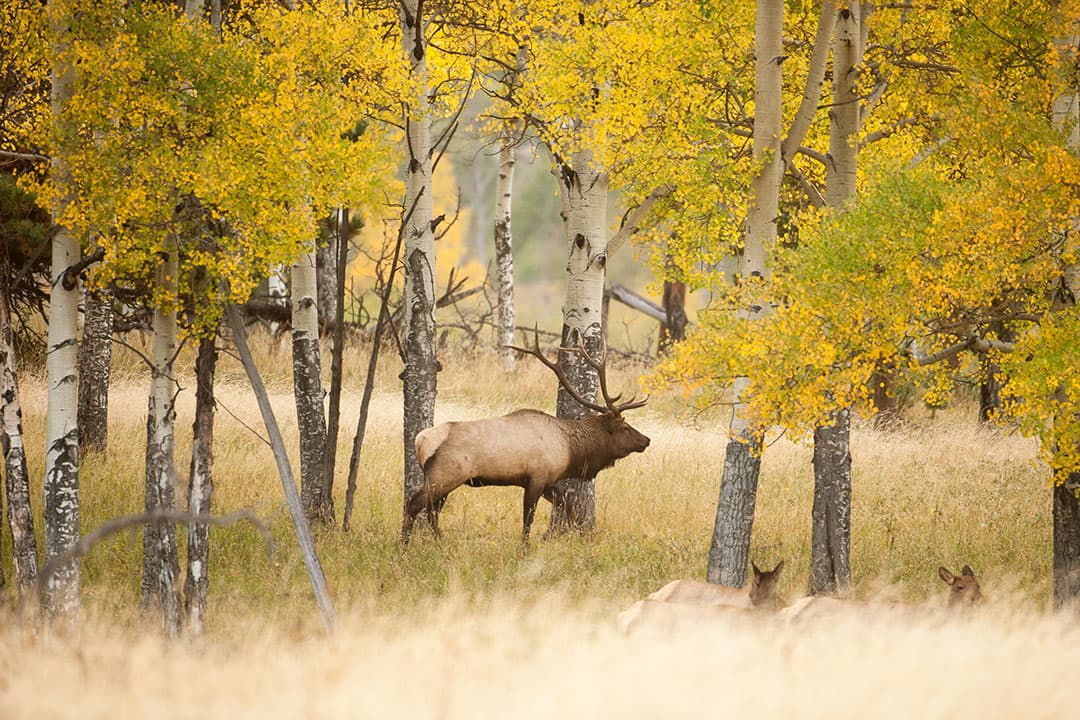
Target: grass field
[469, 626]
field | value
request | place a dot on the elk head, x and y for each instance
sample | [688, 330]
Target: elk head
[964, 590]
[626, 439]
[763, 586]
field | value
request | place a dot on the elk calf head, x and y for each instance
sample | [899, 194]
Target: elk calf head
[763, 586]
[964, 590]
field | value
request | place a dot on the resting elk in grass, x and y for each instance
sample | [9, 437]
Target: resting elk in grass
[693, 602]
[526, 448]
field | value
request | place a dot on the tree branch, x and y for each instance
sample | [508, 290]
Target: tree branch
[631, 225]
[153, 517]
[816, 76]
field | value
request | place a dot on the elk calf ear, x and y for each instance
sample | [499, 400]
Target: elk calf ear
[967, 571]
[947, 576]
[776, 570]
[754, 567]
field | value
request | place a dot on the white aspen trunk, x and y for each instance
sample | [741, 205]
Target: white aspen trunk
[841, 170]
[418, 329]
[583, 191]
[830, 548]
[62, 433]
[201, 487]
[504, 251]
[730, 547]
[161, 566]
[307, 388]
[17, 481]
[277, 291]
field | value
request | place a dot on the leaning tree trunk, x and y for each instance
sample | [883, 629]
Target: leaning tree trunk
[288, 483]
[504, 254]
[830, 547]
[730, 547]
[201, 487]
[161, 565]
[95, 359]
[583, 191]
[418, 327]
[17, 481]
[61, 598]
[307, 387]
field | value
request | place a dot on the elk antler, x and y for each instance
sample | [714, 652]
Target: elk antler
[600, 366]
[556, 368]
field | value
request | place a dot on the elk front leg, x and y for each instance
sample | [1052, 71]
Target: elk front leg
[532, 496]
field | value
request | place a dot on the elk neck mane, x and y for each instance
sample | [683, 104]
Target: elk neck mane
[590, 445]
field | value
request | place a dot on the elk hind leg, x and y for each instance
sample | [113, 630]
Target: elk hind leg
[421, 500]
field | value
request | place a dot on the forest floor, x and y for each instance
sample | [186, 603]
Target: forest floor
[469, 626]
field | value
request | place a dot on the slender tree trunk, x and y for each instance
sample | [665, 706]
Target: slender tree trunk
[504, 255]
[95, 360]
[1066, 116]
[161, 565]
[307, 387]
[337, 350]
[830, 553]
[991, 384]
[17, 481]
[62, 431]
[673, 329]
[369, 381]
[1067, 542]
[583, 190]
[326, 284]
[830, 547]
[201, 487]
[884, 398]
[730, 547]
[418, 328]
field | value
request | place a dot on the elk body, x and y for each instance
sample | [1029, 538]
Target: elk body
[526, 448]
[693, 602]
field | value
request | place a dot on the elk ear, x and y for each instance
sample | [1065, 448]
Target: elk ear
[947, 576]
[754, 567]
[967, 571]
[776, 570]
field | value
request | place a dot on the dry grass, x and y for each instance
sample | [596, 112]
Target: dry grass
[470, 627]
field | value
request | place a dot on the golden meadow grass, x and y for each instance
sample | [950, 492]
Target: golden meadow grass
[469, 626]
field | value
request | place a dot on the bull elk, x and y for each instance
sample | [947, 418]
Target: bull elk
[525, 448]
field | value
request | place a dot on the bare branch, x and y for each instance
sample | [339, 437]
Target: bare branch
[816, 76]
[153, 517]
[632, 225]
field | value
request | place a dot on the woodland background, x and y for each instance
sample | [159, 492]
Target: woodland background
[834, 241]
